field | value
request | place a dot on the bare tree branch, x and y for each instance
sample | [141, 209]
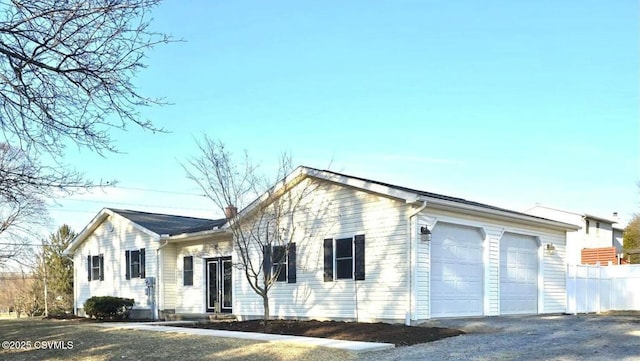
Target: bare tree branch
[22, 210]
[66, 77]
[271, 222]
[66, 70]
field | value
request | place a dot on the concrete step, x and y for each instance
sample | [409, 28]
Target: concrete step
[201, 317]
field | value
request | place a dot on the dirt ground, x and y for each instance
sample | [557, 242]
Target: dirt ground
[399, 335]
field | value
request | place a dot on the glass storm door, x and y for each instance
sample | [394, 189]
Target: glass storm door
[219, 286]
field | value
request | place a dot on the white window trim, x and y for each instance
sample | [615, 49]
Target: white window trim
[131, 261]
[191, 270]
[95, 266]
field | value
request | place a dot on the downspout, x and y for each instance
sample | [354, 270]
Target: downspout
[407, 318]
[156, 308]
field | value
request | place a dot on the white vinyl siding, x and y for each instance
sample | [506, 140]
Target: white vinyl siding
[341, 212]
[551, 284]
[191, 299]
[554, 276]
[112, 243]
[579, 239]
[167, 281]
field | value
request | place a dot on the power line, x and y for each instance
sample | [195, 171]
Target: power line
[137, 205]
[106, 188]
[159, 191]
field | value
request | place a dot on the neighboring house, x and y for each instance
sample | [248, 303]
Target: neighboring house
[618, 233]
[369, 251]
[594, 232]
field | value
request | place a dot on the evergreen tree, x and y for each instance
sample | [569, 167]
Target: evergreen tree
[57, 271]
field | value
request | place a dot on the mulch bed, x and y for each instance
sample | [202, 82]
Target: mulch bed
[399, 335]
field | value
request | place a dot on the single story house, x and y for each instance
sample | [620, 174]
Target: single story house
[365, 250]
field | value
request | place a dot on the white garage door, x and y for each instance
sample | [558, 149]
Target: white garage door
[518, 274]
[456, 271]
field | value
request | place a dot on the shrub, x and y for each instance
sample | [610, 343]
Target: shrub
[108, 307]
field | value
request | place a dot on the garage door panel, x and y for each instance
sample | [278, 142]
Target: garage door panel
[456, 271]
[518, 274]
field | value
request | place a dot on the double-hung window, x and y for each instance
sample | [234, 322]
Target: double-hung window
[95, 267]
[134, 261]
[280, 262]
[187, 271]
[344, 258]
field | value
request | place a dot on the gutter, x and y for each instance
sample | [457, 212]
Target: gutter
[410, 269]
[505, 214]
[197, 235]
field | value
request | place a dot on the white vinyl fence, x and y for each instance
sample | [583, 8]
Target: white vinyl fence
[603, 288]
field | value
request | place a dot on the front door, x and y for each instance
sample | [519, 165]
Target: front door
[219, 287]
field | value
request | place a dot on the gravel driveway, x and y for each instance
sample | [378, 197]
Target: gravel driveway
[550, 337]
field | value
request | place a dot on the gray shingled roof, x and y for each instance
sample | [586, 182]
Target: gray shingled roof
[169, 224]
[434, 195]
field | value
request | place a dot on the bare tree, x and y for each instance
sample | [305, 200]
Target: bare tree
[631, 240]
[263, 234]
[22, 210]
[18, 294]
[18, 226]
[66, 69]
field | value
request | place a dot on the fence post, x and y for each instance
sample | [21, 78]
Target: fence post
[598, 306]
[586, 290]
[611, 292]
[575, 290]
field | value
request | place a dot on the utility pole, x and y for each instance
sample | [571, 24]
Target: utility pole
[44, 280]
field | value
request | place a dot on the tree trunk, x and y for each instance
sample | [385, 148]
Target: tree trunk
[265, 304]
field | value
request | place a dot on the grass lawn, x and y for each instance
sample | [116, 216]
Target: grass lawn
[92, 342]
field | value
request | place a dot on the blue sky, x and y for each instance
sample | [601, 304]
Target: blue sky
[504, 102]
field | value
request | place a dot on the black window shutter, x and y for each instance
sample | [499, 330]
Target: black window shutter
[89, 266]
[266, 261]
[291, 263]
[142, 263]
[359, 257]
[328, 260]
[127, 261]
[101, 267]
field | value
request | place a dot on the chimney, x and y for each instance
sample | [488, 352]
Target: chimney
[230, 211]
